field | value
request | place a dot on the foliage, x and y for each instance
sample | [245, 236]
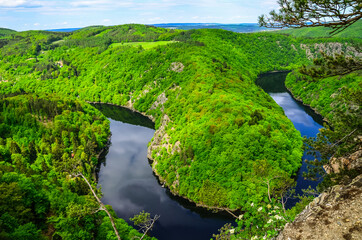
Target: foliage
[262, 221]
[355, 30]
[5, 32]
[144, 221]
[327, 66]
[199, 89]
[221, 120]
[338, 98]
[144, 45]
[206, 99]
[299, 13]
[44, 139]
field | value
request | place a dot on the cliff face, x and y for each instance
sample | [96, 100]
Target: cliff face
[335, 214]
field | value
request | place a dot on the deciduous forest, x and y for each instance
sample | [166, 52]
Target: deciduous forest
[220, 140]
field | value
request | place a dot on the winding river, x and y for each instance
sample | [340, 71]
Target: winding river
[128, 183]
[305, 120]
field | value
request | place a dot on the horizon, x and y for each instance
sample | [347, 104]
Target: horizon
[23, 15]
[157, 25]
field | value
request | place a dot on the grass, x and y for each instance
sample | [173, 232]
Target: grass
[145, 45]
[59, 41]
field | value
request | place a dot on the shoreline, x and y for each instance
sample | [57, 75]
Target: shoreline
[159, 178]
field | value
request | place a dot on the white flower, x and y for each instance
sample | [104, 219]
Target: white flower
[252, 204]
[270, 221]
[254, 238]
[241, 216]
[276, 207]
[232, 231]
[277, 217]
[259, 209]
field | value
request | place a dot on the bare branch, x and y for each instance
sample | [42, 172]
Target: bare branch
[102, 207]
[150, 226]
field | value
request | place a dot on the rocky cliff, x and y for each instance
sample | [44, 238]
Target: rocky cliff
[334, 214]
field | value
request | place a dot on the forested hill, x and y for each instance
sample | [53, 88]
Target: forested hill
[218, 136]
[354, 31]
[199, 89]
[6, 31]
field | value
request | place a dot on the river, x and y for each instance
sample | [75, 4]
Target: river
[129, 185]
[304, 119]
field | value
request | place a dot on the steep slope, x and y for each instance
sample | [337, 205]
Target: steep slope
[213, 123]
[5, 31]
[354, 31]
[335, 214]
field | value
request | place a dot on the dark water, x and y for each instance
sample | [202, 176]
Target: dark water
[305, 120]
[128, 183]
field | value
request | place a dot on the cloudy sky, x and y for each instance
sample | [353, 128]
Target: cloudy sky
[55, 14]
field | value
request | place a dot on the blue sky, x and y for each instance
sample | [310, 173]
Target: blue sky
[26, 14]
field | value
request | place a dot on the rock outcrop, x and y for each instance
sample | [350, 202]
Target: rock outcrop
[354, 161]
[313, 50]
[335, 214]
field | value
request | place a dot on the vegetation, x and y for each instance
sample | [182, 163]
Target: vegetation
[354, 31]
[5, 32]
[299, 13]
[44, 140]
[223, 141]
[338, 98]
[216, 112]
[144, 45]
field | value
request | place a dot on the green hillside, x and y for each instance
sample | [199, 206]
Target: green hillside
[5, 31]
[218, 135]
[354, 31]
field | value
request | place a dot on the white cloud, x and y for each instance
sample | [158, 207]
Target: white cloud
[101, 3]
[19, 4]
[12, 3]
[155, 19]
[87, 3]
[36, 24]
[92, 12]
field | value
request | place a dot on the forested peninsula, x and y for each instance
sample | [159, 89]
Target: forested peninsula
[219, 139]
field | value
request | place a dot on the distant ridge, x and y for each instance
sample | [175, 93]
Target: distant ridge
[63, 30]
[236, 27]
[6, 31]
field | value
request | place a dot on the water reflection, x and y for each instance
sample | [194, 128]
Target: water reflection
[302, 121]
[305, 120]
[128, 184]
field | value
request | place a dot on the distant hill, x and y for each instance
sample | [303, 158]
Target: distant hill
[240, 28]
[354, 31]
[63, 30]
[6, 31]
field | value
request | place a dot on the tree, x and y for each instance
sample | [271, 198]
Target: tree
[144, 221]
[102, 207]
[337, 14]
[328, 66]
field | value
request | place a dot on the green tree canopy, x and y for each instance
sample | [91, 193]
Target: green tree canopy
[337, 14]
